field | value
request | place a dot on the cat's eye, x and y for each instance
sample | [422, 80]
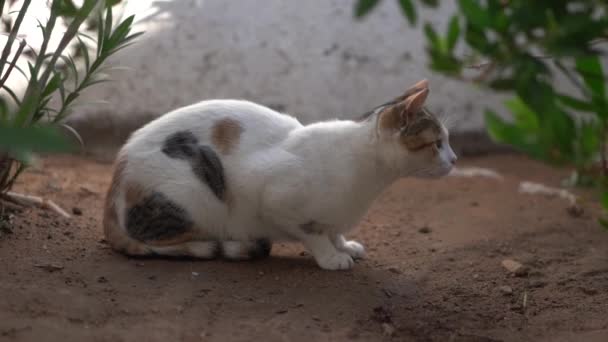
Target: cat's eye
[439, 144]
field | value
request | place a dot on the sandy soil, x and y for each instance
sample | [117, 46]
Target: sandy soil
[434, 271]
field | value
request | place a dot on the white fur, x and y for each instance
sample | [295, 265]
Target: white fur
[281, 175]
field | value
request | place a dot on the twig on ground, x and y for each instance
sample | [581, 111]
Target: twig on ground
[35, 200]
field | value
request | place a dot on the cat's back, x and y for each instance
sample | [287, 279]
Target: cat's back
[229, 125]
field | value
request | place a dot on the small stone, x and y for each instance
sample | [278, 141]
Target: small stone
[589, 291]
[575, 210]
[76, 211]
[50, 267]
[195, 274]
[475, 276]
[506, 290]
[388, 329]
[424, 230]
[515, 267]
[280, 312]
[102, 280]
[394, 270]
[537, 283]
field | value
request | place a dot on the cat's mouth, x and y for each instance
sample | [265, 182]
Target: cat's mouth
[436, 172]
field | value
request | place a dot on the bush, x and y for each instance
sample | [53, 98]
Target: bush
[522, 47]
[32, 125]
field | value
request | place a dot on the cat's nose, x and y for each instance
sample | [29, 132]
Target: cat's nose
[453, 160]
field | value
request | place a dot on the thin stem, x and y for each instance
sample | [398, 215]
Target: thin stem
[22, 44]
[11, 38]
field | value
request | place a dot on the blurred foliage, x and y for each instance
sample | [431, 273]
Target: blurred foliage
[523, 47]
[32, 126]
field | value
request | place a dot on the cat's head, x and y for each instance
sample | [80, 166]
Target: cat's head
[413, 140]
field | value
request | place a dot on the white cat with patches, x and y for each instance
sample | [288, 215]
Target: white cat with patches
[229, 177]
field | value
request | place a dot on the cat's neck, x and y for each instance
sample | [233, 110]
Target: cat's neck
[351, 148]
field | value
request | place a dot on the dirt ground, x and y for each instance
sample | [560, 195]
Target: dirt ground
[434, 271]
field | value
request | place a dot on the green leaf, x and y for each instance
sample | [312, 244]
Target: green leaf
[475, 14]
[100, 31]
[4, 112]
[432, 37]
[17, 140]
[453, 33]
[605, 199]
[119, 34]
[504, 132]
[66, 8]
[525, 117]
[110, 3]
[12, 94]
[575, 103]
[590, 69]
[408, 9]
[363, 7]
[108, 24]
[604, 223]
[52, 85]
[430, 3]
[84, 50]
[502, 84]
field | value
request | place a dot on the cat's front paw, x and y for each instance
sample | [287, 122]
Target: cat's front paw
[336, 261]
[354, 249]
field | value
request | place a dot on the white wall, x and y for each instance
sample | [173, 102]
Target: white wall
[309, 57]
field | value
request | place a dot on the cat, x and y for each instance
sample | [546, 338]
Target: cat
[229, 177]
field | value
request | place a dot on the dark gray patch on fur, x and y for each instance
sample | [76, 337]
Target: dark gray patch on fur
[205, 163]
[207, 166]
[312, 227]
[157, 218]
[261, 250]
[182, 145]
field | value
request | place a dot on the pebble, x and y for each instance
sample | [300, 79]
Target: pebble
[515, 267]
[76, 211]
[537, 283]
[507, 290]
[388, 329]
[394, 270]
[424, 230]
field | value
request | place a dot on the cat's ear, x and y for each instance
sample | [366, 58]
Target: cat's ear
[415, 102]
[421, 85]
[405, 108]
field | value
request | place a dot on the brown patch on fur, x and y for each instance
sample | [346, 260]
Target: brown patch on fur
[134, 193]
[422, 132]
[113, 234]
[421, 85]
[226, 134]
[391, 118]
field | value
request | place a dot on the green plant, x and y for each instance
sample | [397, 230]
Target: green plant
[30, 123]
[523, 47]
